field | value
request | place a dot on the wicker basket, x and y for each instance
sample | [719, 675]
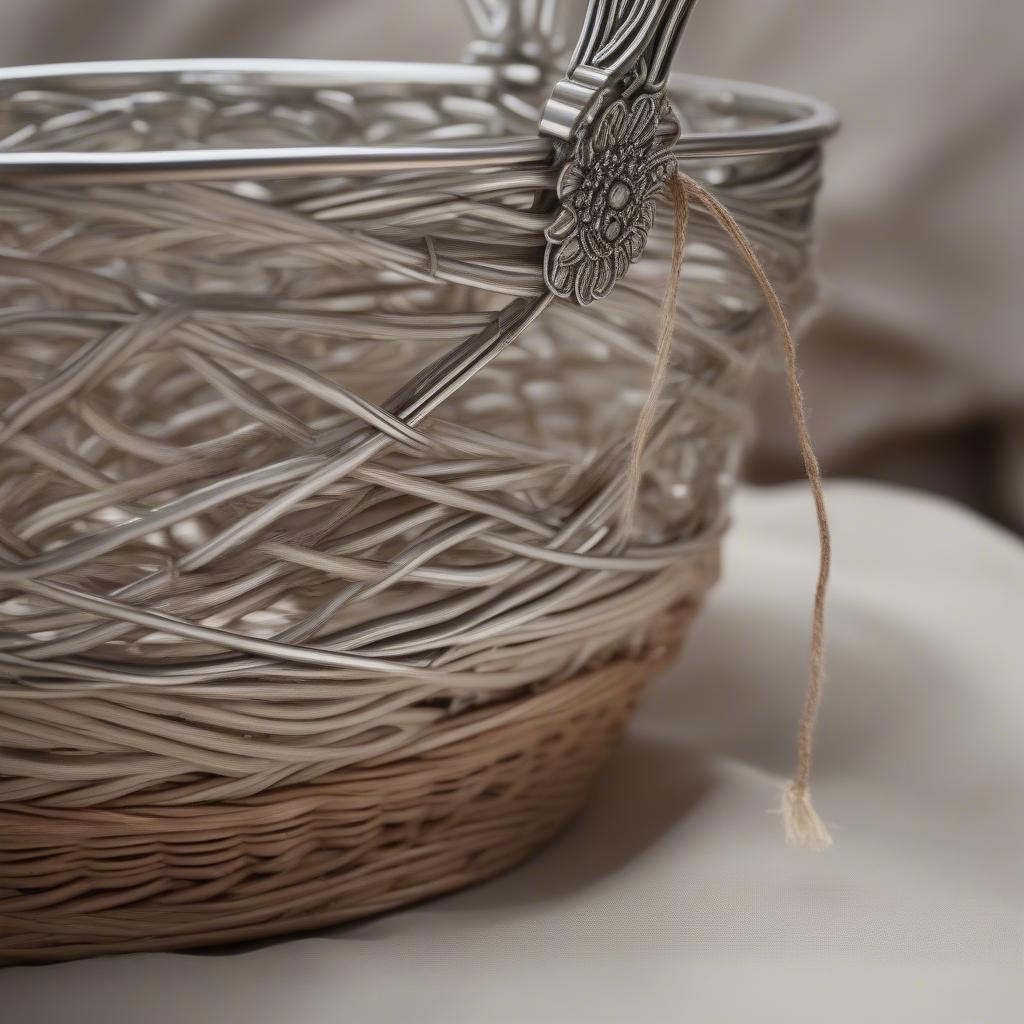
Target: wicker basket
[321, 587]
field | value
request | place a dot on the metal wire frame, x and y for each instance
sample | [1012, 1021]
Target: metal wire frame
[299, 456]
[775, 121]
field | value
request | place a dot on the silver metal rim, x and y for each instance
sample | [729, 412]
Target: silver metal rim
[802, 122]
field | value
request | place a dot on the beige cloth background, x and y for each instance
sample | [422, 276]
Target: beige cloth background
[915, 367]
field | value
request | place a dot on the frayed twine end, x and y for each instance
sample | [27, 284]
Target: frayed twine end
[803, 826]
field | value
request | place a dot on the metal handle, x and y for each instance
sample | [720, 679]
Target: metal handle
[612, 117]
[617, 129]
[625, 45]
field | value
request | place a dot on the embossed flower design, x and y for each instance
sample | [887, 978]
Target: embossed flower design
[607, 192]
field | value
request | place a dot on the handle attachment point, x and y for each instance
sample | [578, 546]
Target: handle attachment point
[619, 128]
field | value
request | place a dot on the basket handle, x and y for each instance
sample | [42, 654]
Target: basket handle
[625, 45]
[614, 132]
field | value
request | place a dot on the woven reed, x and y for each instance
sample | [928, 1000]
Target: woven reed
[471, 798]
[261, 573]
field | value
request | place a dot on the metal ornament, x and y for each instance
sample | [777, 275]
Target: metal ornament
[607, 191]
[612, 110]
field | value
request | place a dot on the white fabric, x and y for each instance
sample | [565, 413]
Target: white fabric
[674, 897]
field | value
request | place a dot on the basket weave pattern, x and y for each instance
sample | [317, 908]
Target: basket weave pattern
[468, 801]
[291, 633]
[201, 427]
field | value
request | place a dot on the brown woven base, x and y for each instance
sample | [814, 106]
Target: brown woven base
[478, 797]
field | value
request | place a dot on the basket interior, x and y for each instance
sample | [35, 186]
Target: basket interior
[224, 105]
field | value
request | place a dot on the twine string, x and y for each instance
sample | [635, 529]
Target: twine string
[802, 824]
[663, 350]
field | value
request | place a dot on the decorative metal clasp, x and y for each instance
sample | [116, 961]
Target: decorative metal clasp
[607, 191]
[612, 112]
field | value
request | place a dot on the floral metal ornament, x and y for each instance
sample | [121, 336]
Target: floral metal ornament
[608, 196]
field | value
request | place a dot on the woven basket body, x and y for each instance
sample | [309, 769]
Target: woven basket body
[317, 595]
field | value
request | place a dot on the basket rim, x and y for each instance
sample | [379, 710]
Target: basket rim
[802, 122]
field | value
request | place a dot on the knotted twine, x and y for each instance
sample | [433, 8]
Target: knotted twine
[803, 826]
